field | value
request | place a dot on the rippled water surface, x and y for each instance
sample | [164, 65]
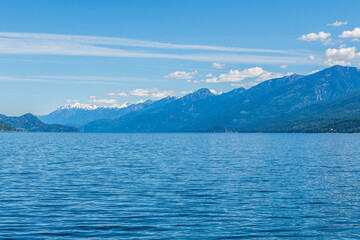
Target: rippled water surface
[179, 186]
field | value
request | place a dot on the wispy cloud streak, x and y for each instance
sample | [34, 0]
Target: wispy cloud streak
[74, 45]
[140, 43]
[75, 79]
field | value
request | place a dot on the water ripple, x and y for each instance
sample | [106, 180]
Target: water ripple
[179, 186]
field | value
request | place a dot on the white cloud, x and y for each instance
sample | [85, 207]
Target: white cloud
[341, 56]
[186, 92]
[313, 71]
[71, 101]
[140, 101]
[153, 92]
[270, 75]
[74, 79]
[181, 75]
[351, 34]
[140, 92]
[117, 95]
[332, 62]
[236, 76]
[311, 57]
[73, 45]
[208, 80]
[284, 66]
[159, 94]
[94, 100]
[209, 75]
[245, 85]
[217, 65]
[337, 24]
[131, 42]
[321, 36]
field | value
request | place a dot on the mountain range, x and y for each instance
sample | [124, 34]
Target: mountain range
[30, 123]
[79, 114]
[311, 103]
[325, 101]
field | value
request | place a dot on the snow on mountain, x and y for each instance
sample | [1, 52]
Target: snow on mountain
[78, 114]
[90, 107]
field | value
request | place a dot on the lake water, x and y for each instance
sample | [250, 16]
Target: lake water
[179, 186]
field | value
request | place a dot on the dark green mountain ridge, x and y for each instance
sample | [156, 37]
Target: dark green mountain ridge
[5, 128]
[30, 123]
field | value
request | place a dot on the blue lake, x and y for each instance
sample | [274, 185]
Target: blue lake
[179, 186]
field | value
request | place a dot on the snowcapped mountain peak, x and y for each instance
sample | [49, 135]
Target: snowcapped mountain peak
[79, 106]
[91, 107]
[79, 114]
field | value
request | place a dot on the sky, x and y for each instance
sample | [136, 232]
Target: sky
[114, 53]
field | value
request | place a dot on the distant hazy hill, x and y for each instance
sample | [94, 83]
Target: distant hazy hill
[30, 123]
[5, 128]
[80, 114]
[311, 103]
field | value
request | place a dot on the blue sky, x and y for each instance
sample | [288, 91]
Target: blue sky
[114, 52]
